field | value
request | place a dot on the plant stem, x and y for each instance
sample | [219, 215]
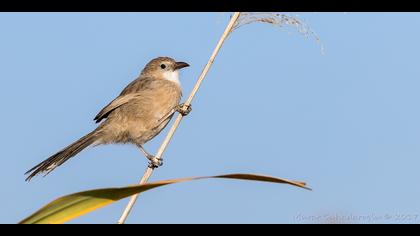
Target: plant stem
[178, 120]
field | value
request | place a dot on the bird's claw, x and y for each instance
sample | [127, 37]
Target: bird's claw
[183, 109]
[154, 161]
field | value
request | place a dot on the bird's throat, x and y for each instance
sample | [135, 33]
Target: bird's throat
[172, 76]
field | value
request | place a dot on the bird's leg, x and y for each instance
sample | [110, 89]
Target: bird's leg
[183, 109]
[169, 114]
[154, 161]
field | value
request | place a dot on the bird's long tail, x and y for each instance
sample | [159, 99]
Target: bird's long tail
[62, 156]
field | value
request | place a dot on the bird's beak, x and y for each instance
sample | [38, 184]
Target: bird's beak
[180, 65]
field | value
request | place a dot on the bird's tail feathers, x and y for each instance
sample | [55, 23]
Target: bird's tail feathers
[62, 156]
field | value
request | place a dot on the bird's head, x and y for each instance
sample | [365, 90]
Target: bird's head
[164, 68]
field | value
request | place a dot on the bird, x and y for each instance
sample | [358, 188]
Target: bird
[140, 112]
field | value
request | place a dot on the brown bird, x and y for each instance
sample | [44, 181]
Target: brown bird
[137, 115]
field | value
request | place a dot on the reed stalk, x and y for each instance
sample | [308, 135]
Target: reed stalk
[166, 141]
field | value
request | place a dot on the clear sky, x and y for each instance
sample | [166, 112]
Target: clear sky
[346, 122]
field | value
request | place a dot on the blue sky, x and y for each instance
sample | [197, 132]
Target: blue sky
[346, 122]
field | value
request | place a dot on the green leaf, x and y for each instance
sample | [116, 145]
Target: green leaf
[72, 206]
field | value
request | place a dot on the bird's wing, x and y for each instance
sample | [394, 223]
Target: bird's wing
[119, 101]
[132, 91]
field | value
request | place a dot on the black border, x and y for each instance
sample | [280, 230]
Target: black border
[206, 5]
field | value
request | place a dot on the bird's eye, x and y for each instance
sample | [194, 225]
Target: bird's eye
[163, 66]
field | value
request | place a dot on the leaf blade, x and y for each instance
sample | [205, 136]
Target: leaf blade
[74, 205]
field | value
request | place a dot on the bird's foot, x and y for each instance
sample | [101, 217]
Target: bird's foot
[154, 161]
[183, 109]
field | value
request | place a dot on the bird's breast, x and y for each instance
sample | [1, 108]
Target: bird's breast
[161, 101]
